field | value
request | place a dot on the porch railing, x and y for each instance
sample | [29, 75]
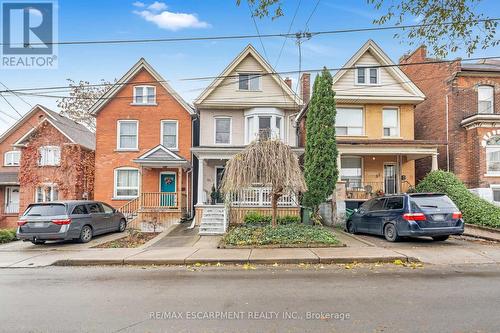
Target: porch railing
[11, 209]
[368, 190]
[260, 196]
[158, 200]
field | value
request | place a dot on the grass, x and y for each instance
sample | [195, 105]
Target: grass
[133, 239]
[7, 235]
[288, 235]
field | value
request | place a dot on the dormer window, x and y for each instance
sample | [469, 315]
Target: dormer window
[144, 95]
[367, 75]
[12, 158]
[249, 82]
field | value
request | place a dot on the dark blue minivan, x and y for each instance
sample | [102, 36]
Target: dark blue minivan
[403, 215]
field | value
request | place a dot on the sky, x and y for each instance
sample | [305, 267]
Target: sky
[130, 19]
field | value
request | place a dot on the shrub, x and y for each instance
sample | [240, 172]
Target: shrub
[254, 219]
[474, 209]
[7, 235]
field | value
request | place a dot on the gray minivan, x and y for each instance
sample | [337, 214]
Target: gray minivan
[68, 220]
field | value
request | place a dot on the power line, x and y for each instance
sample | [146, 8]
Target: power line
[230, 37]
[289, 29]
[257, 29]
[312, 13]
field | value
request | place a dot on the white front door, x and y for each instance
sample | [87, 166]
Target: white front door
[12, 199]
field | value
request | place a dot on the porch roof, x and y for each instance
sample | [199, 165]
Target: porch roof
[161, 156]
[218, 153]
[9, 178]
[412, 149]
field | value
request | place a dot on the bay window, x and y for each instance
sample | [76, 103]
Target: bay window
[50, 156]
[349, 121]
[46, 193]
[126, 183]
[390, 122]
[222, 130]
[12, 158]
[263, 124]
[169, 134]
[485, 99]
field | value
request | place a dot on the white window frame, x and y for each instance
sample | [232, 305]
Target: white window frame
[9, 155]
[259, 77]
[43, 160]
[42, 187]
[362, 166]
[255, 113]
[488, 172]
[363, 116]
[176, 133]
[367, 75]
[398, 125]
[115, 188]
[230, 130]
[118, 126]
[144, 96]
[492, 99]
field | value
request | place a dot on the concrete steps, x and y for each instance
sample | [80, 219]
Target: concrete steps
[212, 221]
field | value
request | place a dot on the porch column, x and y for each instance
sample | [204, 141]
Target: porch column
[434, 166]
[201, 163]
[179, 200]
[339, 162]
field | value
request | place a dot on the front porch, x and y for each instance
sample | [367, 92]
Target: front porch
[9, 199]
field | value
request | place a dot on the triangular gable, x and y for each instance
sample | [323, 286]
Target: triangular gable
[161, 152]
[140, 65]
[249, 50]
[23, 119]
[383, 59]
[27, 136]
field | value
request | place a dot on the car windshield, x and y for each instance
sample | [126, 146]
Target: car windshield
[432, 202]
[46, 210]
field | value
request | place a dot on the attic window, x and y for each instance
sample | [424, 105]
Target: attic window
[367, 75]
[250, 82]
[145, 95]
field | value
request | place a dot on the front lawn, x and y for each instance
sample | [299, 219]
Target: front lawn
[284, 235]
[7, 235]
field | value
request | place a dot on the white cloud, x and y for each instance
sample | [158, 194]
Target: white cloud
[170, 20]
[139, 4]
[157, 6]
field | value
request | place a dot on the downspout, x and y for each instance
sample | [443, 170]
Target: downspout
[447, 136]
[190, 202]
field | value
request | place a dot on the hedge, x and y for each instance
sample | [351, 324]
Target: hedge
[259, 220]
[7, 235]
[474, 209]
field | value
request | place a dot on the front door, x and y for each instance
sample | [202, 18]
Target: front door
[390, 179]
[219, 173]
[168, 189]
[12, 199]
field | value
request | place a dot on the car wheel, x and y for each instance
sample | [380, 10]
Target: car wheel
[440, 238]
[85, 234]
[38, 242]
[390, 232]
[122, 226]
[350, 227]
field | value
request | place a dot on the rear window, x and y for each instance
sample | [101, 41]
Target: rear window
[45, 210]
[432, 201]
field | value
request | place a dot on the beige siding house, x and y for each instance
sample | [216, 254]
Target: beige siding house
[247, 100]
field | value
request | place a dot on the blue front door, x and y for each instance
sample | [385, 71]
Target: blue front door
[168, 186]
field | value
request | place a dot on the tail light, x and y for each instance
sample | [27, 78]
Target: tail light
[414, 217]
[62, 222]
[457, 215]
[21, 223]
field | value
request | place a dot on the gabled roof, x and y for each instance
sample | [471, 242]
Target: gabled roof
[384, 60]
[161, 155]
[248, 50]
[142, 64]
[75, 132]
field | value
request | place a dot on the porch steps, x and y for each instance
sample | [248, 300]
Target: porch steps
[212, 221]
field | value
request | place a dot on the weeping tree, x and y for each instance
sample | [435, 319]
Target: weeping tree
[269, 162]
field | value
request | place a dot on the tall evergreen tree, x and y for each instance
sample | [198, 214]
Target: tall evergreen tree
[320, 162]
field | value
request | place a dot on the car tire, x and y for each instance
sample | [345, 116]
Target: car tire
[350, 227]
[122, 225]
[440, 238]
[390, 232]
[85, 234]
[38, 242]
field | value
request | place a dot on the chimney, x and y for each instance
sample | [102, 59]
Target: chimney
[288, 82]
[305, 87]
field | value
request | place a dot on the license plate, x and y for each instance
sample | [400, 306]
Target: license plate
[438, 217]
[38, 225]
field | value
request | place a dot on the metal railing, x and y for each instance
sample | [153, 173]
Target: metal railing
[260, 196]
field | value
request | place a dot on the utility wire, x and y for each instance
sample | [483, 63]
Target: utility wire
[257, 29]
[312, 13]
[289, 29]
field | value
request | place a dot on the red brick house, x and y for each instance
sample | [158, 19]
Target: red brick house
[462, 108]
[143, 142]
[46, 157]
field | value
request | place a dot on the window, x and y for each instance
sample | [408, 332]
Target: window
[12, 158]
[349, 121]
[50, 155]
[169, 133]
[263, 127]
[496, 193]
[145, 95]
[126, 183]
[46, 193]
[127, 135]
[377, 205]
[394, 203]
[367, 75]
[493, 159]
[107, 209]
[222, 130]
[391, 122]
[485, 99]
[95, 208]
[80, 210]
[249, 82]
[351, 171]
[45, 210]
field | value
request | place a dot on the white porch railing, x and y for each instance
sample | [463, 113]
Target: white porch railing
[260, 196]
[11, 209]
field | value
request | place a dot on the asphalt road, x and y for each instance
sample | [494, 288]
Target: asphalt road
[370, 298]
